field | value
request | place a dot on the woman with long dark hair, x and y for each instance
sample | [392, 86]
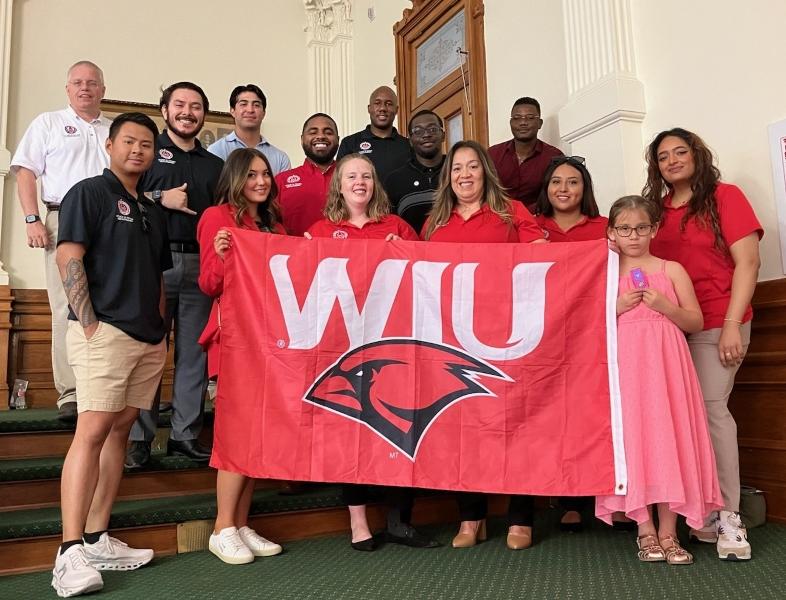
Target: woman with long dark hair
[710, 228]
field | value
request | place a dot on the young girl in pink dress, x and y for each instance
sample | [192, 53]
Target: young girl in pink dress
[668, 450]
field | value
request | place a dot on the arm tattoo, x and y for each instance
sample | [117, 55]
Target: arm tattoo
[77, 292]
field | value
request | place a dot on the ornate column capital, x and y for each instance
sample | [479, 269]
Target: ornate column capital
[327, 20]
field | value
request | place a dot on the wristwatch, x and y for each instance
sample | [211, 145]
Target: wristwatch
[31, 218]
[156, 195]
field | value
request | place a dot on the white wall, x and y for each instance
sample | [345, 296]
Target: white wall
[141, 50]
[525, 56]
[717, 68]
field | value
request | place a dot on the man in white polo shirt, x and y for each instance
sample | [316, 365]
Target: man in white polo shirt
[61, 148]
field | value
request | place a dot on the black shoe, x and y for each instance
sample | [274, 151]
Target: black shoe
[368, 545]
[411, 538]
[137, 455]
[571, 527]
[164, 407]
[189, 448]
[67, 413]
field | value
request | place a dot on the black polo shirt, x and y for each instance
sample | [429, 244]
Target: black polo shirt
[172, 167]
[387, 154]
[411, 191]
[123, 263]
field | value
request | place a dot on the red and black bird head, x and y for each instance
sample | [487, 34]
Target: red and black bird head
[375, 385]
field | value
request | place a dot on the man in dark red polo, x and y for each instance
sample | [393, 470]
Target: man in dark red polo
[303, 190]
[522, 161]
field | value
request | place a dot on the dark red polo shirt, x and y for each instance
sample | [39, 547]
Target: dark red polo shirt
[586, 230]
[523, 181]
[710, 270]
[373, 230]
[302, 196]
[486, 226]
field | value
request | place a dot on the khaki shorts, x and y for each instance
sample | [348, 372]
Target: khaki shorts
[112, 369]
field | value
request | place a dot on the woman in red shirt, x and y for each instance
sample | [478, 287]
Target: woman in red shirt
[358, 208]
[246, 193]
[566, 207]
[470, 206]
[710, 228]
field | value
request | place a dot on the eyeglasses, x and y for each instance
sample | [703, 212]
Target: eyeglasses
[145, 221]
[421, 131]
[560, 160]
[524, 118]
[627, 230]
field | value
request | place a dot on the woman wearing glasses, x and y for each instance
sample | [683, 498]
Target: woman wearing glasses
[246, 193]
[470, 206]
[710, 228]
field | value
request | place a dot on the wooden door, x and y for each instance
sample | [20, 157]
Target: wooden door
[441, 66]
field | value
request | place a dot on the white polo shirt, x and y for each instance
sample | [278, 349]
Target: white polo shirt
[62, 149]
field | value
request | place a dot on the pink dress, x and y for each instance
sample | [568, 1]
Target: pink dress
[668, 449]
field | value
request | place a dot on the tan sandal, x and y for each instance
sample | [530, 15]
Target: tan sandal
[649, 549]
[675, 554]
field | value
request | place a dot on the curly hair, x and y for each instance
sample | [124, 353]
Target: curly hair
[445, 198]
[229, 189]
[702, 205]
[336, 209]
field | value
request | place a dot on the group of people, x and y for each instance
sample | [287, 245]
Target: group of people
[139, 222]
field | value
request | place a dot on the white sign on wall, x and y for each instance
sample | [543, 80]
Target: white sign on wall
[778, 157]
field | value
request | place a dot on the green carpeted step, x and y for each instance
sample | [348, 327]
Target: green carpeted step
[45, 419]
[177, 509]
[29, 469]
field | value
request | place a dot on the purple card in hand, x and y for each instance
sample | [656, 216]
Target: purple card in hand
[639, 279]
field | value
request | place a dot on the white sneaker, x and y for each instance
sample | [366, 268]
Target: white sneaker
[732, 537]
[707, 534]
[110, 554]
[73, 575]
[258, 545]
[229, 547]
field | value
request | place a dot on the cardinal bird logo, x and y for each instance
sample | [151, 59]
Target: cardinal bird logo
[374, 385]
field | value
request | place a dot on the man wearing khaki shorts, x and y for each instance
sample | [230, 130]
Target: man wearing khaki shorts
[112, 250]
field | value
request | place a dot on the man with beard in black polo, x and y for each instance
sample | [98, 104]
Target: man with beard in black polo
[379, 141]
[183, 179]
[411, 187]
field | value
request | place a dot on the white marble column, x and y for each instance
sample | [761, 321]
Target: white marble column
[602, 119]
[6, 11]
[330, 59]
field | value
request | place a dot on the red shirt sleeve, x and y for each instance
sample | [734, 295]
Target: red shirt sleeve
[211, 267]
[405, 231]
[737, 218]
[525, 224]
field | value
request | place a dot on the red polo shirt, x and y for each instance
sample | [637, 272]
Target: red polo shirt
[373, 230]
[486, 226]
[302, 195]
[710, 270]
[588, 229]
[523, 181]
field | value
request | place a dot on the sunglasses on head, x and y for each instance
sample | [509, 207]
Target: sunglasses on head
[561, 160]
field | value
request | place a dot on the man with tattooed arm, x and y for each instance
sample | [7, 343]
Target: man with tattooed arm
[112, 250]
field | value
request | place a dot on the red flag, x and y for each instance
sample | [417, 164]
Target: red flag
[480, 367]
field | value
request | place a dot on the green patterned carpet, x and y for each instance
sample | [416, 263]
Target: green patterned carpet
[595, 564]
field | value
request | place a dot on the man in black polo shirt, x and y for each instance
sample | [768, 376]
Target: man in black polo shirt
[379, 141]
[183, 178]
[411, 187]
[112, 250]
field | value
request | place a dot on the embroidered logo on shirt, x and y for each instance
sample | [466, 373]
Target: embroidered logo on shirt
[70, 130]
[545, 233]
[166, 156]
[293, 178]
[365, 148]
[124, 209]
[340, 234]
[293, 181]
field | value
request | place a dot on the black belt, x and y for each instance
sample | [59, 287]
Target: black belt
[184, 247]
[52, 207]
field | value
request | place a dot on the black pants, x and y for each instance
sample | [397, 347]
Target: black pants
[399, 498]
[577, 503]
[474, 506]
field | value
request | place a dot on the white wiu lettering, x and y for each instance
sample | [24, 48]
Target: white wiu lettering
[331, 282]
[306, 326]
